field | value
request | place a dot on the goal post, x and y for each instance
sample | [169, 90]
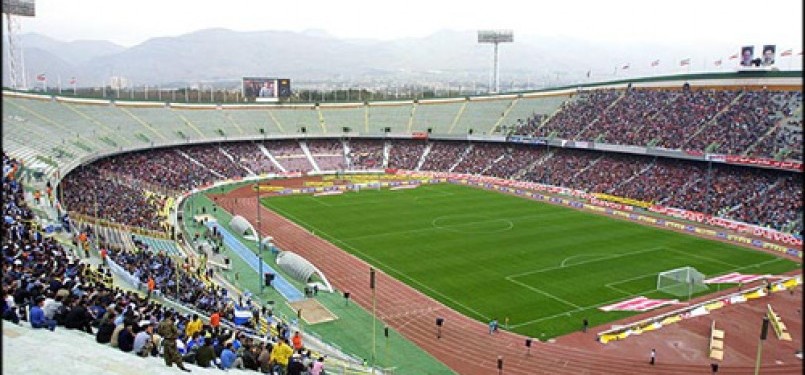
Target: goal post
[681, 282]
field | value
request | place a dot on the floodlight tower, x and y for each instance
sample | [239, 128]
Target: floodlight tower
[13, 9]
[495, 37]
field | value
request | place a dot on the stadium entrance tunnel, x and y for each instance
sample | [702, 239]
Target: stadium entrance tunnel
[242, 227]
[301, 269]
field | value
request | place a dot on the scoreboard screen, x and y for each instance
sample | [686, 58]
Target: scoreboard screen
[266, 89]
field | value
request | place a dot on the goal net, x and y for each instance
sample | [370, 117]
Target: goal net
[681, 282]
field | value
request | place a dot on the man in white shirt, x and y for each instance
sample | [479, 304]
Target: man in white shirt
[143, 341]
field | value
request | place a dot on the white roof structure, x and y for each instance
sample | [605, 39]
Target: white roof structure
[241, 226]
[300, 268]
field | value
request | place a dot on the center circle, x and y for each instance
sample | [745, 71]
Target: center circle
[471, 223]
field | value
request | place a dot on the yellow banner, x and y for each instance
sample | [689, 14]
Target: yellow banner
[318, 183]
[622, 200]
[269, 188]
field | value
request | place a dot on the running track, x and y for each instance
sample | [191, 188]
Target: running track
[465, 345]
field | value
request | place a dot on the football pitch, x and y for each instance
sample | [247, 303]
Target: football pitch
[495, 256]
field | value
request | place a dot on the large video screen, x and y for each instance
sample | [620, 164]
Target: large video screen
[266, 89]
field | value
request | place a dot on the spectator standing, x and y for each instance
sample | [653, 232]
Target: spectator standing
[295, 366]
[193, 326]
[297, 341]
[215, 321]
[317, 368]
[281, 354]
[151, 286]
[169, 333]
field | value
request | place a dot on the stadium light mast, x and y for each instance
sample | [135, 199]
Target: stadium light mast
[13, 9]
[495, 37]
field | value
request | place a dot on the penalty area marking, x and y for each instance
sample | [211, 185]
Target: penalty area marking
[511, 278]
[610, 286]
[319, 201]
[516, 275]
[563, 264]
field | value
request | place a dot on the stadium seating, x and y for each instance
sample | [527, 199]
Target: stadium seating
[250, 156]
[252, 120]
[292, 120]
[161, 124]
[529, 107]
[157, 245]
[436, 116]
[406, 154]
[208, 123]
[699, 120]
[578, 114]
[337, 118]
[443, 156]
[365, 154]
[383, 115]
[290, 155]
[480, 158]
[765, 197]
[481, 116]
[328, 154]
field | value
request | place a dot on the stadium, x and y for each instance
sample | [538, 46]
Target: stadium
[579, 229]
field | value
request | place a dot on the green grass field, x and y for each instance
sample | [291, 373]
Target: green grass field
[491, 255]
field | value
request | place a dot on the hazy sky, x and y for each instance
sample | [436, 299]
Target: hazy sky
[732, 22]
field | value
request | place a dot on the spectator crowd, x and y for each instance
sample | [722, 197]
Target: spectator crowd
[113, 188]
[46, 286]
[719, 121]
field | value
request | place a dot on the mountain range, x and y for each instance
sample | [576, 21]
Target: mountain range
[221, 57]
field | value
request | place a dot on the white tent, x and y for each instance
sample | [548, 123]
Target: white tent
[241, 226]
[300, 268]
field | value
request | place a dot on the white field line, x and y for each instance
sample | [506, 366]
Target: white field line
[703, 258]
[376, 261]
[443, 227]
[579, 256]
[526, 323]
[516, 275]
[544, 293]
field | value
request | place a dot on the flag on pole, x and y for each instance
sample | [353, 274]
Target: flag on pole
[733, 57]
[787, 52]
[625, 67]
[655, 63]
[717, 62]
[684, 62]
